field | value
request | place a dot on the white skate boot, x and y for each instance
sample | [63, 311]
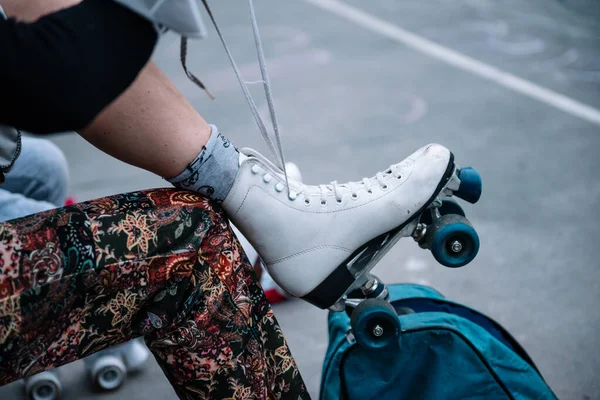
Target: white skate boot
[319, 242]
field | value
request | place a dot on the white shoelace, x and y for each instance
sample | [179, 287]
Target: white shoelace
[276, 147]
[324, 191]
[353, 187]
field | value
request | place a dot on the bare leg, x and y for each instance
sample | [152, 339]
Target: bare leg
[151, 125]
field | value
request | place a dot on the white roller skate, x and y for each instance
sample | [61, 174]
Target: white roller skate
[320, 242]
[44, 386]
[109, 368]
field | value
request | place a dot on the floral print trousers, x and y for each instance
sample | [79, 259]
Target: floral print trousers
[163, 264]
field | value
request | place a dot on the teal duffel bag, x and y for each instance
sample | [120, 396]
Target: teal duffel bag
[443, 351]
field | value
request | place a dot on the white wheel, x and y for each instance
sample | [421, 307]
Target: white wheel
[43, 386]
[135, 354]
[108, 372]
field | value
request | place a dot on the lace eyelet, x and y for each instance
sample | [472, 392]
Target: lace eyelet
[384, 187]
[370, 191]
[323, 203]
[267, 178]
[355, 196]
[279, 187]
[307, 202]
[339, 201]
[255, 169]
[292, 196]
[399, 177]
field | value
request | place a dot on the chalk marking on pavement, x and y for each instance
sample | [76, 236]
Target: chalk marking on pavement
[414, 264]
[459, 60]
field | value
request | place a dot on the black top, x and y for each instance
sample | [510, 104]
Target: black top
[58, 73]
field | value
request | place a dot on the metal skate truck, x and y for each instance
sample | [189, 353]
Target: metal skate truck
[107, 370]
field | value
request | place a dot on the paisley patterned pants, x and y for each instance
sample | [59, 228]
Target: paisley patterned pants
[163, 264]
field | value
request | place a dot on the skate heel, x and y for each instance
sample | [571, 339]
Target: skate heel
[354, 272]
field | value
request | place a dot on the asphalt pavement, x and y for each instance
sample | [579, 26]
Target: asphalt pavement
[511, 87]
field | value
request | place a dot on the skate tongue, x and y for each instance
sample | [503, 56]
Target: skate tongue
[247, 153]
[275, 146]
[243, 158]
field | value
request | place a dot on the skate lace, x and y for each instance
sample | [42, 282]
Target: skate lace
[324, 192]
[274, 146]
[338, 190]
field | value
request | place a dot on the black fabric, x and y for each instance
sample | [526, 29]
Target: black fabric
[58, 73]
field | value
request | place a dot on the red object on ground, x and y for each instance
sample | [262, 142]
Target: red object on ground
[274, 296]
[70, 201]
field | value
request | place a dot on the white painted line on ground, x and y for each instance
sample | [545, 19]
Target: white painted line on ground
[459, 60]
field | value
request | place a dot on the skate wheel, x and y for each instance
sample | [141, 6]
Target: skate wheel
[470, 185]
[453, 241]
[108, 373]
[43, 386]
[135, 354]
[447, 207]
[375, 324]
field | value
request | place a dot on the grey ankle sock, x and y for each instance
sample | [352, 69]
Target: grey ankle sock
[213, 172]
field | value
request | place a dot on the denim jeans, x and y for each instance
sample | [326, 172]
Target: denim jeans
[38, 181]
